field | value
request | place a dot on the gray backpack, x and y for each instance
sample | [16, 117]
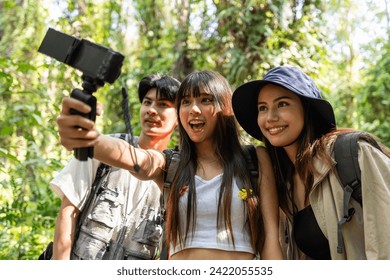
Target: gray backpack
[348, 170]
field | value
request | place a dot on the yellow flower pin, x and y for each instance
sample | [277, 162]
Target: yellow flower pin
[243, 194]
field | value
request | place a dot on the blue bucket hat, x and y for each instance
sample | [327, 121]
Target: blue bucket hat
[292, 78]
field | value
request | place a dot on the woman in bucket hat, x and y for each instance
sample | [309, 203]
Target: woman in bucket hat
[285, 110]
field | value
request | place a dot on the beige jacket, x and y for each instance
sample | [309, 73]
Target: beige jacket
[367, 234]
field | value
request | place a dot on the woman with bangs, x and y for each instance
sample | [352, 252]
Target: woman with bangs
[207, 215]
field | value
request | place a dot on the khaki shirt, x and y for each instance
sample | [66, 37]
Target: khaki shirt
[367, 234]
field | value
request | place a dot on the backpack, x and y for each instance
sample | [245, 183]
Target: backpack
[349, 173]
[172, 157]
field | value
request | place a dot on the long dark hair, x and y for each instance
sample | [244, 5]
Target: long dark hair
[284, 169]
[230, 155]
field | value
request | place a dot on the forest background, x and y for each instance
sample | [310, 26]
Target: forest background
[344, 45]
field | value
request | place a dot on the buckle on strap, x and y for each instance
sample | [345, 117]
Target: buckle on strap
[347, 216]
[351, 212]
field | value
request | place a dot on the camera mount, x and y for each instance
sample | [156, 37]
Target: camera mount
[97, 63]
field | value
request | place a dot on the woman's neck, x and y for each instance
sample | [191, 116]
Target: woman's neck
[205, 151]
[292, 151]
[209, 164]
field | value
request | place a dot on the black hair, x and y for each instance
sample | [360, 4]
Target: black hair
[166, 87]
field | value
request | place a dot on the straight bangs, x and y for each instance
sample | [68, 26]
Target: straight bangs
[211, 83]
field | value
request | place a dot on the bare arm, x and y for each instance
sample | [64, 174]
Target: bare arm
[64, 230]
[269, 207]
[76, 131]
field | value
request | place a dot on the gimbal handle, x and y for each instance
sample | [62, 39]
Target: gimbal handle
[86, 95]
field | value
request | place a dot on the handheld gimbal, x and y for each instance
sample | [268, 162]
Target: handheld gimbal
[97, 63]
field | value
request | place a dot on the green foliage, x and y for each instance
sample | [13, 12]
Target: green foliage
[240, 39]
[373, 98]
[260, 35]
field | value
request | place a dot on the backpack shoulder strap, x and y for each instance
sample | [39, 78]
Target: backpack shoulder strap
[172, 158]
[348, 170]
[252, 165]
[347, 165]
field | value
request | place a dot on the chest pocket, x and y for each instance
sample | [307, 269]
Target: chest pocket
[98, 227]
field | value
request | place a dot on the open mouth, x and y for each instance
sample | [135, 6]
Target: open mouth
[197, 125]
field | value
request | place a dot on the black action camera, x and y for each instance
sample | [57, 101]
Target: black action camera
[97, 63]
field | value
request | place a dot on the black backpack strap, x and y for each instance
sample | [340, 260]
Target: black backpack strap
[172, 158]
[348, 170]
[252, 165]
[47, 254]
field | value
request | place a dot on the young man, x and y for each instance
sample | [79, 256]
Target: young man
[123, 223]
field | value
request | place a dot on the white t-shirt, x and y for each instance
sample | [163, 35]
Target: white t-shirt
[75, 180]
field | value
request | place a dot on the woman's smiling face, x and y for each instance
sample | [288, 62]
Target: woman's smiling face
[280, 115]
